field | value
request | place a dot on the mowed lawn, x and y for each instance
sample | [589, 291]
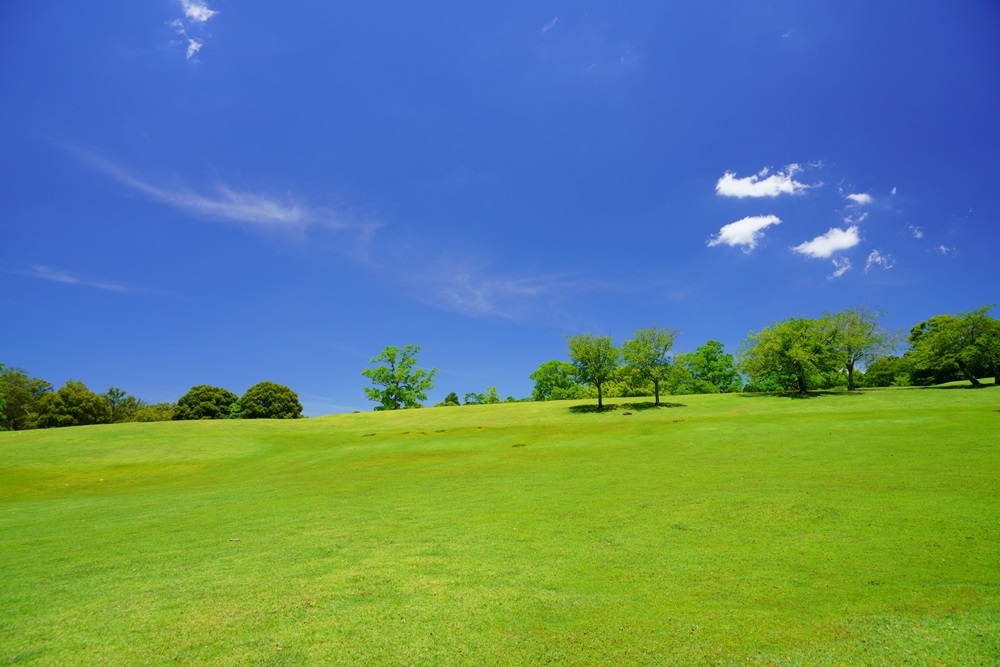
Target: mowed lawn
[839, 529]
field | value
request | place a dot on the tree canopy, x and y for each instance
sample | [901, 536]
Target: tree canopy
[970, 341]
[595, 360]
[555, 380]
[648, 353]
[398, 383]
[71, 405]
[859, 337]
[787, 353]
[712, 369]
[204, 401]
[268, 400]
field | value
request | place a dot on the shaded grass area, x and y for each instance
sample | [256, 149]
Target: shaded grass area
[726, 531]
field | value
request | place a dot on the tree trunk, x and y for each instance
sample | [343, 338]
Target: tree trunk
[968, 376]
[656, 391]
[850, 377]
[802, 384]
[600, 400]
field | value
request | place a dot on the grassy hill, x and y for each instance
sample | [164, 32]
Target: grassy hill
[723, 530]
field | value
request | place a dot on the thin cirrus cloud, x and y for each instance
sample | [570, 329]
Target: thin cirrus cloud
[861, 198]
[876, 259]
[224, 204]
[833, 241]
[762, 184]
[841, 266]
[43, 272]
[746, 232]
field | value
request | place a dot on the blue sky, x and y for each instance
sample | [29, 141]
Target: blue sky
[221, 192]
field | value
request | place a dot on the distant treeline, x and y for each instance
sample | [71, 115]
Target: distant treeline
[28, 403]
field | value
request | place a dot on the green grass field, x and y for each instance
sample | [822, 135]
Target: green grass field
[840, 529]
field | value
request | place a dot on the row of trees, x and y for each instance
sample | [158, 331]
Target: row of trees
[28, 403]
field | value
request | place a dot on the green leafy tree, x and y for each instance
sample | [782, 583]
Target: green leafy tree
[204, 401]
[970, 341]
[787, 353]
[114, 397]
[71, 405]
[21, 394]
[3, 403]
[398, 383]
[449, 400]
[889, 371]
[268, 400]
[555, 381]
[595, 360]
[712, 369]
[157, 412]
[648, 355]
[859, 338]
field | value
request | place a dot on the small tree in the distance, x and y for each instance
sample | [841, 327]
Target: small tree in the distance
[398, 383]
[595, 360]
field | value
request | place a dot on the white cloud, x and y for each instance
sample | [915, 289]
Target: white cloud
[746, 232]
[877, 259]
[918, 232]
[945, 250]
[550, 25]
[194, 46]
[861, 198]
[761, 184]
[842, 266]
[894, 190]
[197, 11]
[855, 218]
[58, 276]
[829, 243]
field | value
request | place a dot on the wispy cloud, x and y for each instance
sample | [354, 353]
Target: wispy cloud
[43, 272]
[746, 232]
[223, 203]
[855, 218]
[196, 15]
[833, 241]
[918, 232]
[841, 265]
[861, 199]
[551, 24]
[762, 184]
[877, 260]
[945, 250]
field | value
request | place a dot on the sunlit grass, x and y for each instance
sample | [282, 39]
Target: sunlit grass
[834, 530]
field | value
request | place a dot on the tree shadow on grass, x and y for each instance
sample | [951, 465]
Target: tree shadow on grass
[983, 384]
[819, 393]
[631, 407]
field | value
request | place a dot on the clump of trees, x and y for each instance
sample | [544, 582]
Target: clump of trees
[264, 400]
[27, 402]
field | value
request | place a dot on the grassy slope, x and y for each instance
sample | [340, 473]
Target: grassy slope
[836, 530]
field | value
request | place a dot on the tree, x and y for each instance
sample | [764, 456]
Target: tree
[648, 353]
[72, 405]
[970, 341]
[890, 371]
[449, 400]
[787, 353]
[268, 400]
[21, 394]
[555, 381]
[402, 385]
[3, 402]
[595, 360]
[859, 338]
[204, 401]
[157, 412]
[114, 397]
[712, 369]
